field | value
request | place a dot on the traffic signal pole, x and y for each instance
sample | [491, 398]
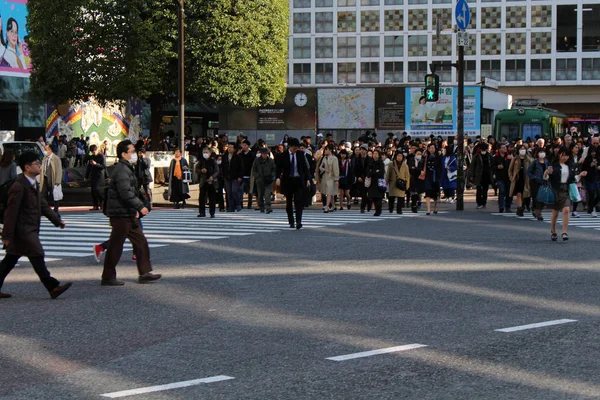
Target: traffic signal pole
[181, 75]
[460, 130]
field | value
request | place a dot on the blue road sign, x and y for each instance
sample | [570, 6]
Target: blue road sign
[462, 14]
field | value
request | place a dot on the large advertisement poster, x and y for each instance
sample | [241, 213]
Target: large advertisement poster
[346, 108]
[15, 59]
[424, 119]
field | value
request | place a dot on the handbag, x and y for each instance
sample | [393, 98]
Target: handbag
[57, 193]
[545, 194]
[187, 177]
[382, 185]
[367, 182]
[401, 184]
[582, 194]
[574, 193]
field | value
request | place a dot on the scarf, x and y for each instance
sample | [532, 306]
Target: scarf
[177, 172]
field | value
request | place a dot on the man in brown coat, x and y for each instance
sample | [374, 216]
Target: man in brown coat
[21, 231]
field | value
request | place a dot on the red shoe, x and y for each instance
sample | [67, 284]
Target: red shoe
[133, 258]
[98, 250]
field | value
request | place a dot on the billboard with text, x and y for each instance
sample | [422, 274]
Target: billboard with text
[15, 59]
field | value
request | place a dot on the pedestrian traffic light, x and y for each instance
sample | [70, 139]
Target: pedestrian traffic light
[432, 87]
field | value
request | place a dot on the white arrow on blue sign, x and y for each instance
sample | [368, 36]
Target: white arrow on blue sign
[462, 14]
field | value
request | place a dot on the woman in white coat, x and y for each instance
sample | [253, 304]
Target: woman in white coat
[328, 176]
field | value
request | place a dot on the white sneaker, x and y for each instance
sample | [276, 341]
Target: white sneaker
[451, 201]
[575, 214]
[479, 207]
[594, 214]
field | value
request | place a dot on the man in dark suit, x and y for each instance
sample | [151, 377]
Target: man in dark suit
[293, 178]
[95, 174]
[21, 232]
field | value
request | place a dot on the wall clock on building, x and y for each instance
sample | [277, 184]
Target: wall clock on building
[300, 99]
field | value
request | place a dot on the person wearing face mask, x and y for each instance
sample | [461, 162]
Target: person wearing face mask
[207, 171]
[263, 174]
[220, 185]
[328, 176]
[500, 165]
[481, 172]
[535, 173]
[517, 173]
[178, 189]
[416, 184]
[124, 207]
[591, 165]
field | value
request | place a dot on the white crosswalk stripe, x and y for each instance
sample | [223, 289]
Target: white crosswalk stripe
[165, 227]
[585, 220]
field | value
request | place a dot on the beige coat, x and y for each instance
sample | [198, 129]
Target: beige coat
[513, 175]
[57, 171]
[327, 174]
[393, 174]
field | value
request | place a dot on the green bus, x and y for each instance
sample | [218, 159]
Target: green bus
[529, 122]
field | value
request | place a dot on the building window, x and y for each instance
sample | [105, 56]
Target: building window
[302, 48]
[346, 21]
[346, 72]
[566, 27]
[470, 71]
[491, 69]
[393, 46]
[394, 2]
[346, 3]
[591, 21]
[417, 1]
[369, 2]
[369, 21]
[541, 70]
[566, 69]
[301, 73]
[417, 71]
[301, 3]
[590, 69]
[443, 71]
[417, 45]
[515, 70]
[393, 72]
[324, 22]
[324, 47]
[324, 3]
[301, 22]
[346, 47]
[369, 72]
[369, 46]
[442, 1]
[324, 73]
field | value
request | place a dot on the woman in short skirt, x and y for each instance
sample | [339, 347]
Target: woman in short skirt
[561, 174]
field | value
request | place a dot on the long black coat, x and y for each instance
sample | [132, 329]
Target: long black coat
[283, 172]
[375, 171]
[22, 219]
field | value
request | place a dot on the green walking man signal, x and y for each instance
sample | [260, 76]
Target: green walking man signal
[432, 88]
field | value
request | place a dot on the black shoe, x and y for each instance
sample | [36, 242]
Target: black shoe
[292, 225]
[377, 214]
[501, 211]
[212, 215]
[362, 211]
[57, 291]
[399, 212]
[5, 295]
[201, 215]
[148, 277]
[414, 210]
[111, 282]
[298, 226]
[262, 211]
[269, 211]
[221, 210]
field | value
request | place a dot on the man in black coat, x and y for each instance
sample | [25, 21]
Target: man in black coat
[95, 174]
[124, 208]
[361, 167]
[247, 157]
[233, 177]
[293, 177]
[21, 231]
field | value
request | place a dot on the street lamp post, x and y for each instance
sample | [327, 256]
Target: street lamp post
[181, 75]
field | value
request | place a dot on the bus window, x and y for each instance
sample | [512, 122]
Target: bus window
[531, 130]
[511, 131]
[593, 128]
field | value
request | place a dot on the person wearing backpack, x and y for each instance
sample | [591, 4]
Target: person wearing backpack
[21, 232]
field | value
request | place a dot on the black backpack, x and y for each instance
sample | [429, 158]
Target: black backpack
[4, 188]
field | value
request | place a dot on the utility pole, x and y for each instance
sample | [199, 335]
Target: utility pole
[460, 130]
[181, 76]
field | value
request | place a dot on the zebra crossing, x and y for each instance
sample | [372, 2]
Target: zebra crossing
[585, 220]
[165, 227]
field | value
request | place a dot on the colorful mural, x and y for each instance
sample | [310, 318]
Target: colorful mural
[103, 124]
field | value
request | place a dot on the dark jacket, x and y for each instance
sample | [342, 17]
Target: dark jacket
[123, 194]
[263, 171]
[232, 167]
[95, 173]
[247, 161]
[361, 167]
[535, 171]
[477, 168]
[212, 169]
[142, 171]
[22, 217]
[348, 178]
[556, 175]
[501, 174]
[414, 168]
[375, 171]
[283, 171]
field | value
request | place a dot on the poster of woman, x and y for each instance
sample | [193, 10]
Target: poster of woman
[15, 59]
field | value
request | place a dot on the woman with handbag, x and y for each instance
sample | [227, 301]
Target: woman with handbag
[416, 185]
[431, 174]
[535, 173]
[449, 175]
[346, 179]
[178, 188]
[375, 182]
[398, 182]
[560, 175]
[517, 173]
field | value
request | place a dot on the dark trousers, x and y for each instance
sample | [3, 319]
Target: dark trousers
[534, 189]
[592, 200]
[97, 196]
[481, 194]
[378, 201]
[392, 201]
[231, 194]
[414, 201]
[247, 189]
[207, 191]
[47, 190]
[294, 192]
[126, 228]
[504, 199]
[39, 266]
[366, 202]
[219, 199]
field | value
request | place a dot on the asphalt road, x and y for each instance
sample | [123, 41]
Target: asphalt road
[269, 309]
